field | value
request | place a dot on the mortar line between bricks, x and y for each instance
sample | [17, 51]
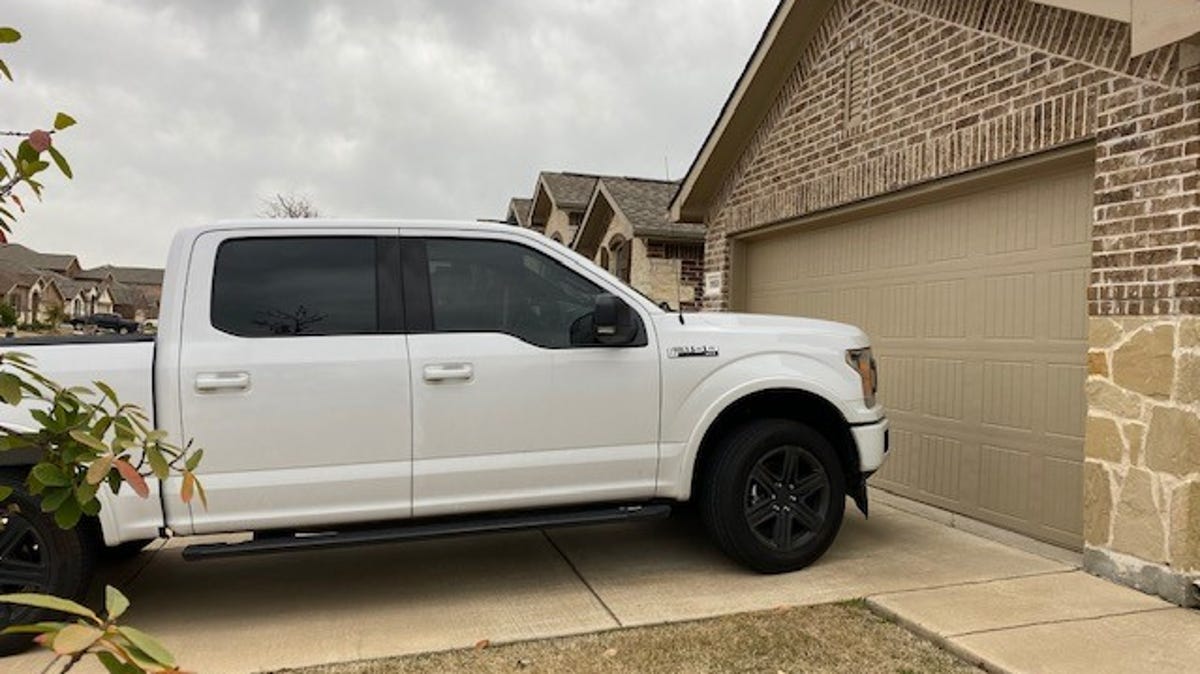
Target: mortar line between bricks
[583, 580]
[967, 583]
[1058, 621]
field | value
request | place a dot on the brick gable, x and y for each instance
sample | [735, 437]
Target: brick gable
[938, 88]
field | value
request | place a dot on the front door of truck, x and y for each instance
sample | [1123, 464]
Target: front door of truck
[294, 379]
[511, 408]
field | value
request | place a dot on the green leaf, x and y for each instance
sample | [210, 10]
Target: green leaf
[35, 628]
[148, 645]
[90, 508]
[107, 391]
[54, 497]
[115, 603]
[194, 459]
[85, 438]
[61, 162]
[115, 666]
[4, 69]
[9, 35]
[62, 121]
[75, 638]
[50, 475]
[10, 388]
[5, 492]
[86, 491]
[68, 514]
[48, 602]
[158, 464]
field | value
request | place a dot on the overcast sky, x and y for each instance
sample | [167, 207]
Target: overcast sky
[191, 111]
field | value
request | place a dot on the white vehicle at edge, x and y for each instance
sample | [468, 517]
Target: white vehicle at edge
[430, 378]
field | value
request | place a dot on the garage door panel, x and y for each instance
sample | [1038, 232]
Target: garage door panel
[976, 309]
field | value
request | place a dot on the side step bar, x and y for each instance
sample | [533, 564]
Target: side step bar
[421, 531]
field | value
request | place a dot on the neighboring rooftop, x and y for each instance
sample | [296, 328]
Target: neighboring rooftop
[15, 252]
[645, 202]
[518, 211]
[570, 191]
[130, 275]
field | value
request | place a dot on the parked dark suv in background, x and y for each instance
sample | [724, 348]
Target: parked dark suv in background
[114, 322]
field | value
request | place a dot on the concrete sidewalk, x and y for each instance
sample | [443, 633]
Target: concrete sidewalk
[1063, 621]
[270, 612]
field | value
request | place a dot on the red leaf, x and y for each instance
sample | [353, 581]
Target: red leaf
[39, 140]
[133, 477]
[189, 482]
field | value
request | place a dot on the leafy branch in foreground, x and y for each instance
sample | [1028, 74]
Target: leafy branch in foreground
[120, 648]
[30, 159]
[86, 440]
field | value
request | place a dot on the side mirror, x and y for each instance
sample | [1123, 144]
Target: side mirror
[613, 322]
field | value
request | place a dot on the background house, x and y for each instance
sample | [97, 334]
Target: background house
[40, 285]
[1006, 195]
[623, 225]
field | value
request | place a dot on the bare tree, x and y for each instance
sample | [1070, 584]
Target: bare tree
[288, 206]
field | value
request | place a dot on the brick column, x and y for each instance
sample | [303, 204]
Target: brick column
[1142, 446]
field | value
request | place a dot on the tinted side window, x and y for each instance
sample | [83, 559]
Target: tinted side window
[496, 286]
[271, 287]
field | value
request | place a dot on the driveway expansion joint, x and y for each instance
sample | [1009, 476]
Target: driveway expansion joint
[583, 580]
[1058, 621]
[968, 583]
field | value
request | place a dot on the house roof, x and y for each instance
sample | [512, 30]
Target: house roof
[15, 252]
[130, 275]
[644, 202]
[789, 31]
[123, 294]
[518, 211]
[569, 191]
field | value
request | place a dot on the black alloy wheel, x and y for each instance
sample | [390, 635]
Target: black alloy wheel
[787, 498]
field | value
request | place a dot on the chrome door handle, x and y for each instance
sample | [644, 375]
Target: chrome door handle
[449, 372]
[222, 381]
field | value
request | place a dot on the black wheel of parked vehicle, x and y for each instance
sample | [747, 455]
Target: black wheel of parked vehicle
[37, 556]
[774, 495]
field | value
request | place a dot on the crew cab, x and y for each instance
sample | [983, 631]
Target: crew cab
[366, 381]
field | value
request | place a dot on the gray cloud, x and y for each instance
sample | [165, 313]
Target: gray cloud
[193, 111]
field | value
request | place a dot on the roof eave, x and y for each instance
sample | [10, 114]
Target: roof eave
[786, 35]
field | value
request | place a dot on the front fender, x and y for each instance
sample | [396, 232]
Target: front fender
[690, 420]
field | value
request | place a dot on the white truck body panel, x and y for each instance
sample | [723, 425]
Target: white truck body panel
[341, 429]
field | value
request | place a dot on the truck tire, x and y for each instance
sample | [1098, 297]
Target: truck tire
[774, 495]
[37, 556]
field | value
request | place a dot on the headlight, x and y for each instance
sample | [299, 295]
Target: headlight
[864, 364]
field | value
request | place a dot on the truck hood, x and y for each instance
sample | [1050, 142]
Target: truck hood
[779, 325]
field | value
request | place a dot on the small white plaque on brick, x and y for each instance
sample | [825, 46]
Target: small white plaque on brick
[712, 284]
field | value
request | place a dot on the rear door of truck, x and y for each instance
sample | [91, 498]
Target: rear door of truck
[294, 379]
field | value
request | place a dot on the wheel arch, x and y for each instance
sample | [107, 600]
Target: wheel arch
[782, 402]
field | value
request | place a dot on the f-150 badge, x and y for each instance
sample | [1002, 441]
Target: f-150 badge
[692, 352]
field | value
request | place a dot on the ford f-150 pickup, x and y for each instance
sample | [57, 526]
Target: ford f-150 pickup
[358, 382]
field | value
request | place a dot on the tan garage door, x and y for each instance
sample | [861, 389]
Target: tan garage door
[976, 307]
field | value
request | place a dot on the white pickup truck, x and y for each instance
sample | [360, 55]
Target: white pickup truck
[367, 381]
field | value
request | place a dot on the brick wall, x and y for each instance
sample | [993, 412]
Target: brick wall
[890, 94]
[956, 85]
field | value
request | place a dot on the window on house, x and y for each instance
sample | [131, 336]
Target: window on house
[297, 286]
[481, 285]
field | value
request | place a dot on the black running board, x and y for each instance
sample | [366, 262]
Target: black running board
[421, 531]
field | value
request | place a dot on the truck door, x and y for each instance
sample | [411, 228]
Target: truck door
[294, 379]
[511, 410]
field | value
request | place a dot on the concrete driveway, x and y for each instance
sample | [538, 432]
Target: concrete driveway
[269, 612]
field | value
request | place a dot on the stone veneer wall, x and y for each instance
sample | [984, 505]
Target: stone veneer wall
[1142, 473]
[891, 94]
